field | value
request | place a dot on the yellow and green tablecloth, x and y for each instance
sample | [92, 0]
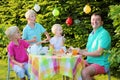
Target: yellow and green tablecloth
[44, 67]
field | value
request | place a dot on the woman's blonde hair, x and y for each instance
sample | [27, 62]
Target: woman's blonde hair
[29, 12]
[55, 27]
[10, 31]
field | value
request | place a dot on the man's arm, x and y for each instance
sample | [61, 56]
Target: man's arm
[95, 53]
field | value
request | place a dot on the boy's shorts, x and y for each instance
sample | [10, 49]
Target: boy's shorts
[21, 72]
[98, 69]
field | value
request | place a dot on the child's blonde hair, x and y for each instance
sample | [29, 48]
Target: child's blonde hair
[30, 12]
[55, 27]
[10, 31]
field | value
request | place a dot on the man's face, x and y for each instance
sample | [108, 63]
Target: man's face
[96, 21]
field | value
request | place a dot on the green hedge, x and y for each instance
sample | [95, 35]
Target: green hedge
[12, 13]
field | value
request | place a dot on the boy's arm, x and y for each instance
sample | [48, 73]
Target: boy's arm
[45, 40]
[47, 35]
[63, 41]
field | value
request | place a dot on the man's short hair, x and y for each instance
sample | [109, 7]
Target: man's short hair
[99, 14]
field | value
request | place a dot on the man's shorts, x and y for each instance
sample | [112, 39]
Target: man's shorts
[98, 69]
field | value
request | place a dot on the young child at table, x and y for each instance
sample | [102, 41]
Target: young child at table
[17, 52]
[57, 41]
[33, 31]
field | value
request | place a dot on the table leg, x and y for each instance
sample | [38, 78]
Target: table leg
[66, 78]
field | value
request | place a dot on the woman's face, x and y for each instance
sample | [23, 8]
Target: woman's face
[32, 18]
[96, 21]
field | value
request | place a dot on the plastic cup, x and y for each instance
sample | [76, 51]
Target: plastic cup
[74, 51]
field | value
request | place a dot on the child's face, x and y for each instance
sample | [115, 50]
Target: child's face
[32, 18]
[17, 35]
[58, 31]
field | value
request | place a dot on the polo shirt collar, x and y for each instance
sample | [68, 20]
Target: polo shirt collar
[14, 43]
[98, 30]
[30, 27]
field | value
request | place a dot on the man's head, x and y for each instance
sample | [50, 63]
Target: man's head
[96, 20]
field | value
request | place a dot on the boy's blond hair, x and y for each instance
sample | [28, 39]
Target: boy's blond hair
[55, 27]
[29, 12]
[10, 31]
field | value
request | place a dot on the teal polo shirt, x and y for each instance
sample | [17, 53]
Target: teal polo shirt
[100, 38]
[37, 31]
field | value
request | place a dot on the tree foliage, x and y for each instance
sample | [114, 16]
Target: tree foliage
[12, 13]
[114, 14]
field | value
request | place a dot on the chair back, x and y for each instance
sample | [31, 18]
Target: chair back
[108, 73]
[9, 68]
[8, 74]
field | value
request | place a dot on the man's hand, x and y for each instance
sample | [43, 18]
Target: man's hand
[82, 52]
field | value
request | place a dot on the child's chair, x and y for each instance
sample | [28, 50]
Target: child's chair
[9, 69]
[108, 73]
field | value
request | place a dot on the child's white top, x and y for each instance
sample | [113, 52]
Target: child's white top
[57, 42]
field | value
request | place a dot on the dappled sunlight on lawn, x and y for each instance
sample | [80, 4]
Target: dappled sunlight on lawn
[3, 71]
[104, 77]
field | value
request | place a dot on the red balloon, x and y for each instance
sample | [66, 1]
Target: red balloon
[69, 21]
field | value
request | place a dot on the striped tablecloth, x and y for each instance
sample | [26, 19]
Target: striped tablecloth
[42, 67]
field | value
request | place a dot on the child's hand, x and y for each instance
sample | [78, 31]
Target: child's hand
[34, 39]
[44, 41]
[21, 65]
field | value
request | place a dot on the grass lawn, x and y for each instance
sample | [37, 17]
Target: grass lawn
[3, 74]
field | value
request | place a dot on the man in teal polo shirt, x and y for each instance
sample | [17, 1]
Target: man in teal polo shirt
[98, 41]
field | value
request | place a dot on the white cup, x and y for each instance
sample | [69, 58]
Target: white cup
[44, 50]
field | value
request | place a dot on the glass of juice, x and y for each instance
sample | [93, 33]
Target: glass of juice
[74, 51]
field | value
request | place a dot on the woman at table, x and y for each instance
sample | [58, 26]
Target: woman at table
[98, 41]
[57, 41]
